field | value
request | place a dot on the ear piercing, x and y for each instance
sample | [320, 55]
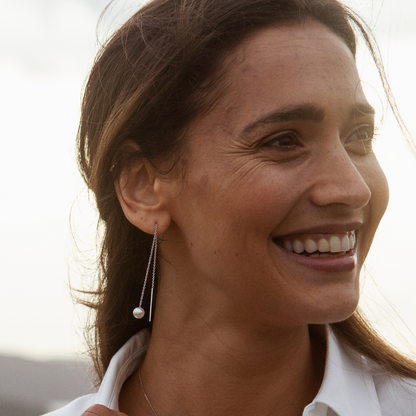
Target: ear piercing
[139, 312]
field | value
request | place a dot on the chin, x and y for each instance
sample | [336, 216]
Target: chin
[334, 310]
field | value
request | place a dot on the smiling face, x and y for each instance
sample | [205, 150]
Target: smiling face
[282, 194]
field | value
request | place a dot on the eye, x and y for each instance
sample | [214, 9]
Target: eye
[361, 140]
[361, 134]
[284, 141]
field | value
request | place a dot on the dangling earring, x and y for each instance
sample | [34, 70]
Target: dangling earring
[138, 312]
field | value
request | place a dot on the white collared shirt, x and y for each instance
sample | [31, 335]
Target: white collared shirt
[349, 388]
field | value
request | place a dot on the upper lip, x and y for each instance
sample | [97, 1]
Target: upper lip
[334, 228]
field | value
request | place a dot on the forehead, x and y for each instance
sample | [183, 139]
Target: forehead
[289, 53]
[283, 67]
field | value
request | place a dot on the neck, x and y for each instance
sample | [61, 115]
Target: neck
[209, 355]
[223, 370]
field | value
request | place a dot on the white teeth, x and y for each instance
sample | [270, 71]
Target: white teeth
[340, 245]
[323, 245]
[310, 246]
[335, 244]
[345, 243]
[288, 246]
[298, 247]
[352, 240]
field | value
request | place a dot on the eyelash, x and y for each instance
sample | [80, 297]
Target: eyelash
[365, 145]
[368, 129]
[291, 135]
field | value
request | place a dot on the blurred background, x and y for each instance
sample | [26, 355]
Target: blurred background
[47, 224]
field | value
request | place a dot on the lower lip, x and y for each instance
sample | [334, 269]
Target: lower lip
[345, 263]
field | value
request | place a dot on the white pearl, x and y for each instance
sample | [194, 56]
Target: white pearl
[138, 313]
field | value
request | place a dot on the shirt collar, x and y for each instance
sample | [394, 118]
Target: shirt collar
[348, 387]
[125, 362]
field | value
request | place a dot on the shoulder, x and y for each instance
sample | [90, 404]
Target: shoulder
[353, 385]
[124, 363]
[75, 408]
[397, 396]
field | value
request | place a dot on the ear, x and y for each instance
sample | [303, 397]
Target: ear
[141, 198]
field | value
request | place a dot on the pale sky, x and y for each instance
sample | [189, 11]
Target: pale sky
[47, 48]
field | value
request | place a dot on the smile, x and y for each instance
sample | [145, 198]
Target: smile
[319, 245]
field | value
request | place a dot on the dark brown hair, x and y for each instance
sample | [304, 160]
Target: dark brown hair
[155, 75]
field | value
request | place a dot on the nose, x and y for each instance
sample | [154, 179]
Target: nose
[337, 180]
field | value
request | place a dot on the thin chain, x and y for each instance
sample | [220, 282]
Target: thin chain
[145, 395]
[154, 248]
[148, 266]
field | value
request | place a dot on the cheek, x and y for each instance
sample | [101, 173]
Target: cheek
[233, 213]
[219, 199]
[379, 192]
[262, 197]
[377, 182]
[372, 174]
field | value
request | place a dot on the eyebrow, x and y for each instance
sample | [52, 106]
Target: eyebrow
[305, 112]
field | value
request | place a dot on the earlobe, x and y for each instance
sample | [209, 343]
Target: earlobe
[141, 199]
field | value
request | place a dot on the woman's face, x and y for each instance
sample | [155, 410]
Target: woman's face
[282, 193]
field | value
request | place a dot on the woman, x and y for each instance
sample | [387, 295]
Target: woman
[232, 140]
